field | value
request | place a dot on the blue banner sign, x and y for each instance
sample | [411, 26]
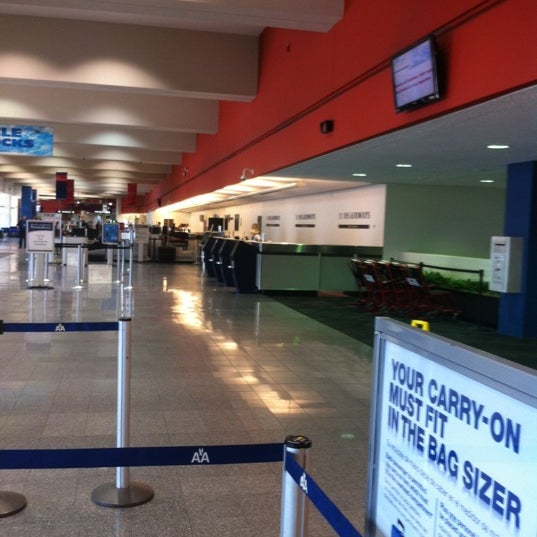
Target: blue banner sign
[110, 234]
[24, 140]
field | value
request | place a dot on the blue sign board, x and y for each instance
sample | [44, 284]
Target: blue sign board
[110, 234]
[25, 140]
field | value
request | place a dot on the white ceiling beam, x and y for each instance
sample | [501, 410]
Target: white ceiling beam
[116, 153]
[247, 17]
[67, 105]
[62, 164]
[117, 136]
[158, 61]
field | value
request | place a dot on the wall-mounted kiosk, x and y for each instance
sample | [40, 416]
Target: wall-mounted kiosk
[505, 264]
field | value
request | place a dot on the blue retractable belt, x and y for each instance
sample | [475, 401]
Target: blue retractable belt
[31, 459]
[322, 502]
[59, 327]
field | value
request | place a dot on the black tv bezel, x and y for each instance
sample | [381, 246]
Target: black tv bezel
[431, 97]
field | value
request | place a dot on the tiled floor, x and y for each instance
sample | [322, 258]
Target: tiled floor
[209, 367]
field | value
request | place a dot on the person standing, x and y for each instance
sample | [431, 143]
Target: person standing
[22, 232]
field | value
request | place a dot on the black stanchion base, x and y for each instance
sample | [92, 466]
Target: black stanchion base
[108, 495]
[11, 503]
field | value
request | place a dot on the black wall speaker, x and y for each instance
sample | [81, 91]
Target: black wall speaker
[327, 126]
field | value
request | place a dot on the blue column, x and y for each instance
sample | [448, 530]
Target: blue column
[27, 202]
[518, 311]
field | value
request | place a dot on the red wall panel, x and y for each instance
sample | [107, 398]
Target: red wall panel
[344, 75]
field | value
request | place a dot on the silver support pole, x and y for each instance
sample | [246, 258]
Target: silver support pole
[295, 504]
[46, 278]
[123, 397]
[109, 256]
[31, 270]
[37, 270]
[122, 250]
[131, 246]
[80, 261]
[118, 265]
[122, 493]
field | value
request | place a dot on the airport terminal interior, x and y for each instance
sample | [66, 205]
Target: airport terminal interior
[374, 127]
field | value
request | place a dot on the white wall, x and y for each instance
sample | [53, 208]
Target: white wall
[331, 218]
[442, 220]
[406, 220]
[4, 210]
[9, 207]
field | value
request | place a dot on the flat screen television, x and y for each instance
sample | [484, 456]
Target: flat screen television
[414, 76]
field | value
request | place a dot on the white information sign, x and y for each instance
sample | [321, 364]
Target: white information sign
[40, 236]
[142, 234]
[455, 441]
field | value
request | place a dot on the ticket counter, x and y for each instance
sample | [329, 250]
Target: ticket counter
[307, 267]
[251, 266]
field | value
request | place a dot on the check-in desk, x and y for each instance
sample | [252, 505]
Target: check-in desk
[304, 267]
[251, 266]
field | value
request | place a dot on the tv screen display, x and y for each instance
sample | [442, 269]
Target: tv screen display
[414, 75]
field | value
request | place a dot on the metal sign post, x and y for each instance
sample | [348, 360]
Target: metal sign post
[79, 268]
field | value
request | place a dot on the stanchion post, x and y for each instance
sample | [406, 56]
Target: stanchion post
[295, 504]
[122, 257]
[80, 261]
[46, 278]
[118, 265]
[122, 493]
[31, 271]
[131, 246]
[109, 256]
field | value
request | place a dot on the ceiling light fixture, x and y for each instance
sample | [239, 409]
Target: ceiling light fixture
[497, 146]
[403, 165]
[359, 174]
[250, 187]
[487, 181]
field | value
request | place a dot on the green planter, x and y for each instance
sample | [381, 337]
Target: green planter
[479, 309]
